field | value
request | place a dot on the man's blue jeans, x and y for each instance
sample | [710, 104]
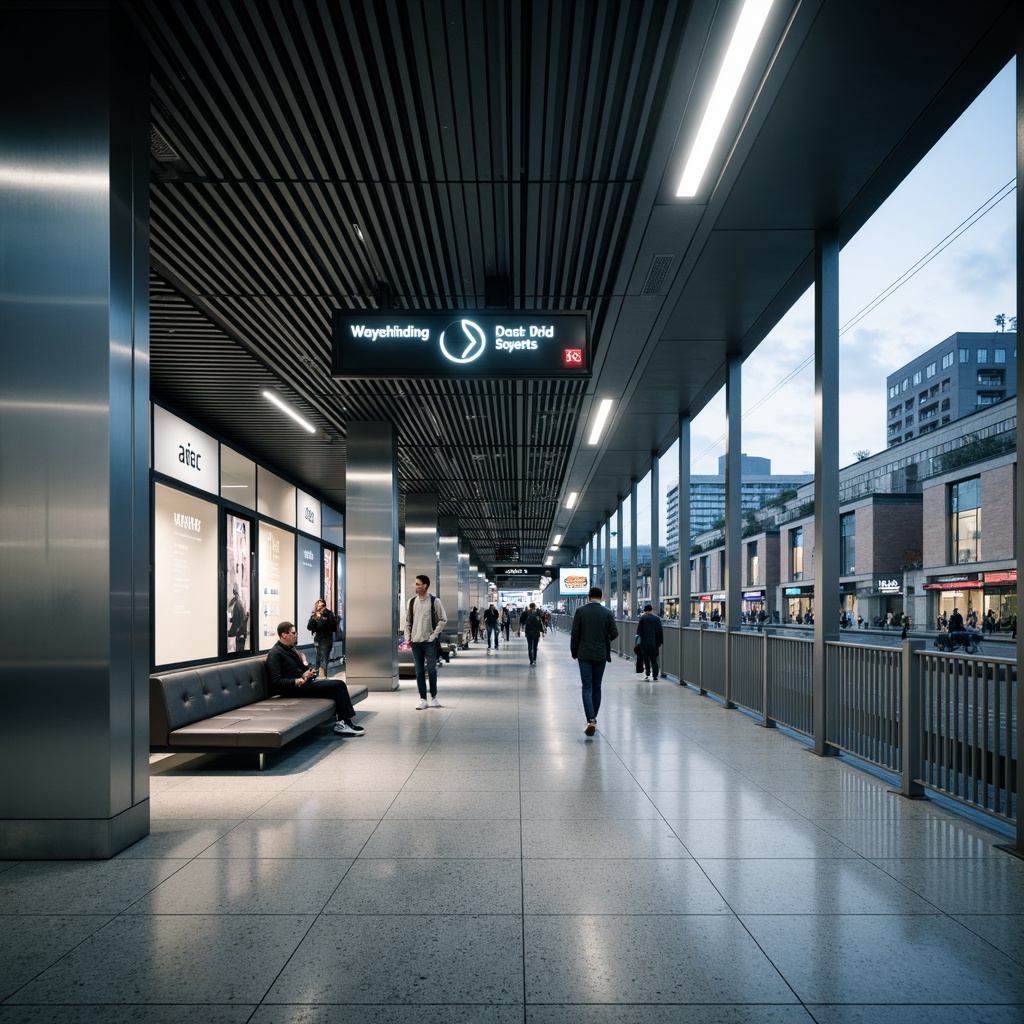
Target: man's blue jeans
[424, 656]
[591, 674]
[492, 629]
[531, 647]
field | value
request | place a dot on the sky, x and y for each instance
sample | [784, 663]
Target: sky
[961, 289]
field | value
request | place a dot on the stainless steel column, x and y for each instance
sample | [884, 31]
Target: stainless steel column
[655, 534]
[733, 508]
[448, 570]
[685, 615]
[74, 457]
[371, 556]
[826, 470]
[420, 542]
[465, 597]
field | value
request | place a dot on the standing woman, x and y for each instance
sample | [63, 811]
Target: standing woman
[322, 624]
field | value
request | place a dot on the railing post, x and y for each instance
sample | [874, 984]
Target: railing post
[910, 720]
[766, 718]
[700, 662]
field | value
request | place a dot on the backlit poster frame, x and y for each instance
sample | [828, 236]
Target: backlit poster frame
[573, 581]
[186, 577]
[308, 583]
[238, 533]
[276, 581]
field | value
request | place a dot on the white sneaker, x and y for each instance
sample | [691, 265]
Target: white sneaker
[434, 702]
[422, 704]
[344, 729]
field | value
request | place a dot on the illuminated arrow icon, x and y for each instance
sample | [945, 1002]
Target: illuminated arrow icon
[466, 347]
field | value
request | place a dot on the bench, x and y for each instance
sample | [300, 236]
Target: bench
[226, 706]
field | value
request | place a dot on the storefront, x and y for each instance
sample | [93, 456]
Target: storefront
[884, 603]
[753, 604]
[797, 602]
[847, 604]
[963, 591]
[1000, 597]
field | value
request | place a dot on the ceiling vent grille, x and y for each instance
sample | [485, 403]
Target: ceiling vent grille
[160, 147]
[658, 274]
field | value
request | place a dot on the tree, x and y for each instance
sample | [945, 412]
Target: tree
[861, 454]
[1000, 321]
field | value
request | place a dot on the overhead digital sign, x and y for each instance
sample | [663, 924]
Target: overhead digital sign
[410, 343]
[517, 571]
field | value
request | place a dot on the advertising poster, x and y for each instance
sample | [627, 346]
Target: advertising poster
[276, 582]
[237, 583]
[573, 581]
[339, 607]
[310, 564]
[185, 577]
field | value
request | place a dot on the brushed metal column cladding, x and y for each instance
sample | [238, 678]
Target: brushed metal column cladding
[371, 556]
[74, 459]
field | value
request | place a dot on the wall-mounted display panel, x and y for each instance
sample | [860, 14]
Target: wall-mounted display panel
[185, 574]
[238, 582]
[237, 478]
[310, 567]
[333, 531]
[276, 582]
[275, 498]
[184, 452]
[573, 581]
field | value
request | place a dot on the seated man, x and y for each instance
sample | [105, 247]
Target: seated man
[292, 675]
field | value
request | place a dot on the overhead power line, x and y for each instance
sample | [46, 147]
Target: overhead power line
[987, 207]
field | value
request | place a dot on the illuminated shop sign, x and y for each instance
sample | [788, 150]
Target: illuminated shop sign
[410, 343]
[887, 586]
[753, 595]
[185, 453]
[1008, 576]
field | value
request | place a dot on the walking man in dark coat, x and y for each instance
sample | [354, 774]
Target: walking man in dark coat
[651, 638]
[590, 644]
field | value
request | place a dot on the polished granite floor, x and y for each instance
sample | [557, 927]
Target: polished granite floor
[486, 862]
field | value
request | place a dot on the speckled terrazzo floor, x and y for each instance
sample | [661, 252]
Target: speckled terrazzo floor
[486, 862]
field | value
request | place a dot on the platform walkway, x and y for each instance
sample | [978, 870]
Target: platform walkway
[486, 863]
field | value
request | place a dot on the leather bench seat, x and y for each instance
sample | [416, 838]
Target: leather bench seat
[226, 706]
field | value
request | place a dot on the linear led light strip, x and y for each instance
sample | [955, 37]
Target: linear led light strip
[600, 420]
[748, 31]
[289, 411]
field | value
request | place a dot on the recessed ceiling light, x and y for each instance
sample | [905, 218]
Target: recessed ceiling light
[571, 500]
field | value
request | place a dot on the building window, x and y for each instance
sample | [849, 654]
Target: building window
[1000, 355]
[929, 370]
[796, 553]
[917, 377]
[752, 563]
[705, 573]
[965, 521]
[965, 355]
[947, 360]
[906, 383]
[982, 355]
[848, 544]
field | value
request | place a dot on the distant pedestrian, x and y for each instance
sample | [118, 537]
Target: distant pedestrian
[492, 620]
[652, 636]
[590, 644]
[533, 627]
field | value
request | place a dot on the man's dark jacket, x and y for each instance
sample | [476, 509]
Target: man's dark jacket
[593, 630]
[649, 630]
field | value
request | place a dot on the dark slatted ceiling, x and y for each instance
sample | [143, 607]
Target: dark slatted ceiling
[310, 155]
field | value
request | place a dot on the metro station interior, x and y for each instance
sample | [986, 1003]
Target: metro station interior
[190, 193]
